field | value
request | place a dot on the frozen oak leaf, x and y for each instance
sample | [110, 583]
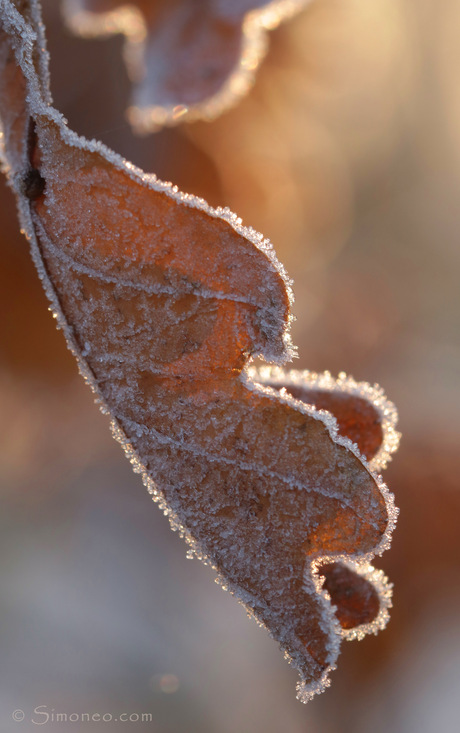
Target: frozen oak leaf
[163, 301]
[187, 59]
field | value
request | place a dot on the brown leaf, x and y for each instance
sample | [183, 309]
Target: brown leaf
[164, 300]
[187, 60]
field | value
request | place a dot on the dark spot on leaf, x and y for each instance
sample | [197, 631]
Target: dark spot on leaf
[33, 184]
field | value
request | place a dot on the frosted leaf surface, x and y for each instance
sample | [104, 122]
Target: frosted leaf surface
[187, 60]
[363, 412]
[361, 594]
[164, 301]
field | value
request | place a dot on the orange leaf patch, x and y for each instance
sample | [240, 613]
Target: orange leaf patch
[164, 301]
